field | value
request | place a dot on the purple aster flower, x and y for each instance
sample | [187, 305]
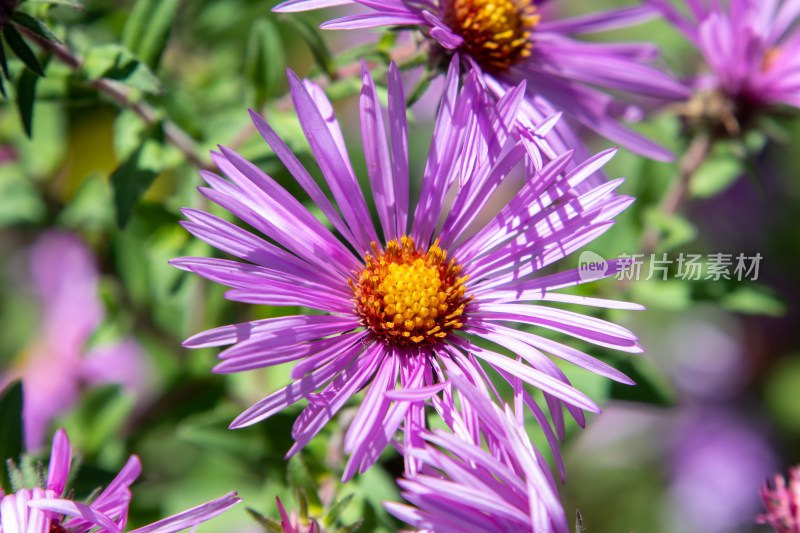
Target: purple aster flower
[43, 510]
[462, 486]
[403, 302]
[752, 50]
[55, 366]
[509, 41]
[783, 503]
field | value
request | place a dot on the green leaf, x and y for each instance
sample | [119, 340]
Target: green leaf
[754, 300]
[351, 528]
[386, 43]
[97, 420]
[116, 63]
[4, 63]
[420, 88]
[676, 229]
[300, 478]
[336, 510]
[23, 51]
[267, 523]
[27, 21]
[302, 503]
[12, 441]
[147, 29]
[314, 40]
[264, 61]
[714, 176]
[343, 88]
[133, 177]
[672, 294]
[780, 392]
[26, 94]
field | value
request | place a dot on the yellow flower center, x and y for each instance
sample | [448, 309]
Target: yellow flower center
[496, 33]
[406, 296]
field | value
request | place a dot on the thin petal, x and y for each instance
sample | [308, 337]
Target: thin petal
[192, 517]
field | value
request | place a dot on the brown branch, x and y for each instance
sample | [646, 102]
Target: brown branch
[672, 202]
[121, 96]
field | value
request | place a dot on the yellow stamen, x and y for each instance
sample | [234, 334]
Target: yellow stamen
[406, 296]
[496, 33]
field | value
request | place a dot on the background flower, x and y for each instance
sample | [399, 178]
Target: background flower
[510, 41]
[57, 363]
[751, 51]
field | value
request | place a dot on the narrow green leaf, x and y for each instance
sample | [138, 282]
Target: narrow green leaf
[26, 95]
[351, 528]
[300, 477]
[21, 48]
[116, 63]
[133, 177]
[715, 175]
[27, 21]
[314, 40]
[420, 88]
[147, 29]
[264, 61]
[3, 61]
[267, 523]
[336, 509]
[754, 299]
[386, 44]
[302, 503]
[12, 442]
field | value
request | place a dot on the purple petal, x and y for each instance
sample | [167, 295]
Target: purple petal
[60, 458]
[83, 511]
[192, 517]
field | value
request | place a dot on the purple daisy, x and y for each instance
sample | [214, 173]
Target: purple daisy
[509, 41]
[43, 510]
[462, 486]
[751, 47]
[399, 310]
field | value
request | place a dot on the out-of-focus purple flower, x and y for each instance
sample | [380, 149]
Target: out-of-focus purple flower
[7, 154]
[751, 48]
[391, 310]
[460, 486]
[716, 458]
[509, 41]
[57, 363]
[783, 503]
[44, 510]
